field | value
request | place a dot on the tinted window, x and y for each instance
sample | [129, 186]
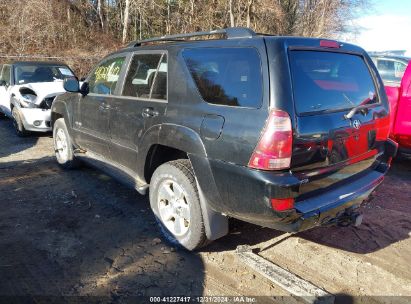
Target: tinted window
[159, 88]
[104, 78]
[5, 74]
[324, 81]
[391, 70]
[226, 76]
[41, 73]
[147, 77]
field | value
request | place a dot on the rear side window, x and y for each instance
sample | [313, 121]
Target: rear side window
[105, 77]
[147, 77]
[327, 81]
[226, 76]
[391, 70]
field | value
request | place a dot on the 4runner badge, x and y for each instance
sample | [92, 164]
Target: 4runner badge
[356, 124]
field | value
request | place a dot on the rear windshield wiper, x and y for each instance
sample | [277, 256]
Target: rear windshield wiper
[354, 110]
[363, 106]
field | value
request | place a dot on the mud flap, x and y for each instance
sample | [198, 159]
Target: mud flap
[216, 224]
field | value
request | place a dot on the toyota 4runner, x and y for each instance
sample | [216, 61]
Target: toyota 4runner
[283, 132]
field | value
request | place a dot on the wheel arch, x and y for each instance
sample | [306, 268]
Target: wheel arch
[166, 142]
[171, 142]
[59, 110]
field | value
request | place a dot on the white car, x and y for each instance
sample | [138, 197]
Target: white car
[27, 91]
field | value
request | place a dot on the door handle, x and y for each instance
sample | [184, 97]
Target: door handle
[149, 112]
[104, 107]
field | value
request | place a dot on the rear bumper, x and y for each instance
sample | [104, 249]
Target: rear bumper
[404, 141]
[246, 193]
[320, 210]
[405, 152]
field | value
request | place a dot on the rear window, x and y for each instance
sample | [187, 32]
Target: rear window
[41, 73]
[327, 81]
[226, 76]
[391, 70]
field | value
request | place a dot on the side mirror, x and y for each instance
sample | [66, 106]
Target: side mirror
[71, 85]
[3, 83]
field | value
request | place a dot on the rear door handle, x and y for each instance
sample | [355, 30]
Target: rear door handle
[149, 112]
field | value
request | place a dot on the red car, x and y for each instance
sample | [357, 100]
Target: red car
[399, 96]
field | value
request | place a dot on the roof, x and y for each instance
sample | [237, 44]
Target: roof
[233, 33]
[42, 63]
[230, 33]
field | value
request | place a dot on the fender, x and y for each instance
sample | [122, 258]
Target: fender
[60, 107]
[14, 102]
[170, 135]
[188, 140]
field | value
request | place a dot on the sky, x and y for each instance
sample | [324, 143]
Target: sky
[387, 26]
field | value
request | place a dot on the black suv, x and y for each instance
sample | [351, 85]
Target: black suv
[284, 132]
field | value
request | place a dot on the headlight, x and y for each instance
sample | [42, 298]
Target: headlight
[28, 101]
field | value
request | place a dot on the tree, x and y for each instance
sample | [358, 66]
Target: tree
[125, 21]
[92, 28]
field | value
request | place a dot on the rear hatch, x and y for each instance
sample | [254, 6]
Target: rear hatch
[340, 121]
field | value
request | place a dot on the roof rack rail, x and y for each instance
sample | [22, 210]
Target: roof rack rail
[230, 33]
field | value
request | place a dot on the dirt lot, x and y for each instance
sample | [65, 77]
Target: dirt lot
[82, 233]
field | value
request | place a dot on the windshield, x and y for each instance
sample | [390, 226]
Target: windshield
[38, 73]
[328, 81]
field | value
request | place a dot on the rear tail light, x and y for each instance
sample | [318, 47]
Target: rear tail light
[273, 151]
[282, 204]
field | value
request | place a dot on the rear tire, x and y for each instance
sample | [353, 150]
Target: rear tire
[175, 202]
[18, 123]
[63, 146]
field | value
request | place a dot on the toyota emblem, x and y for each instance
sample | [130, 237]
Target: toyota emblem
[356, 124]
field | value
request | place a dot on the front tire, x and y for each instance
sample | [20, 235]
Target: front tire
[18, 123]
[175, 202]
[63, 146]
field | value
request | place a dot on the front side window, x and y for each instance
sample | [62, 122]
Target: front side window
[5, 74]
[147, 77]
[104, 78]
[226, 76]
[41, 73]
[328, 81]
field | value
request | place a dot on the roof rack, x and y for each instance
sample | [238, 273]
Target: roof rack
[230, 33]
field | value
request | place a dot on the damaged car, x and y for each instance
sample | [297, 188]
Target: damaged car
[27, 92]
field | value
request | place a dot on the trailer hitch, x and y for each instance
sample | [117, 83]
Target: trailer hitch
[344, 219]
[352, 218]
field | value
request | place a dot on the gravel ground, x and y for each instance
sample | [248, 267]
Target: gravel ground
[81, 233]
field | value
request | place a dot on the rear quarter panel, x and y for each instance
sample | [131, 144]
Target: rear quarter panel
[242, 126]
[402, 123]
[393, 94]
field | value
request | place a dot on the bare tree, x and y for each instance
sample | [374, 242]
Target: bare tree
[100, 12]
[125, 20]
[230, 10]
[95, 27]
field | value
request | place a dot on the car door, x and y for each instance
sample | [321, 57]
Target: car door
[93, 110]
[5, 89]
[140, 105]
